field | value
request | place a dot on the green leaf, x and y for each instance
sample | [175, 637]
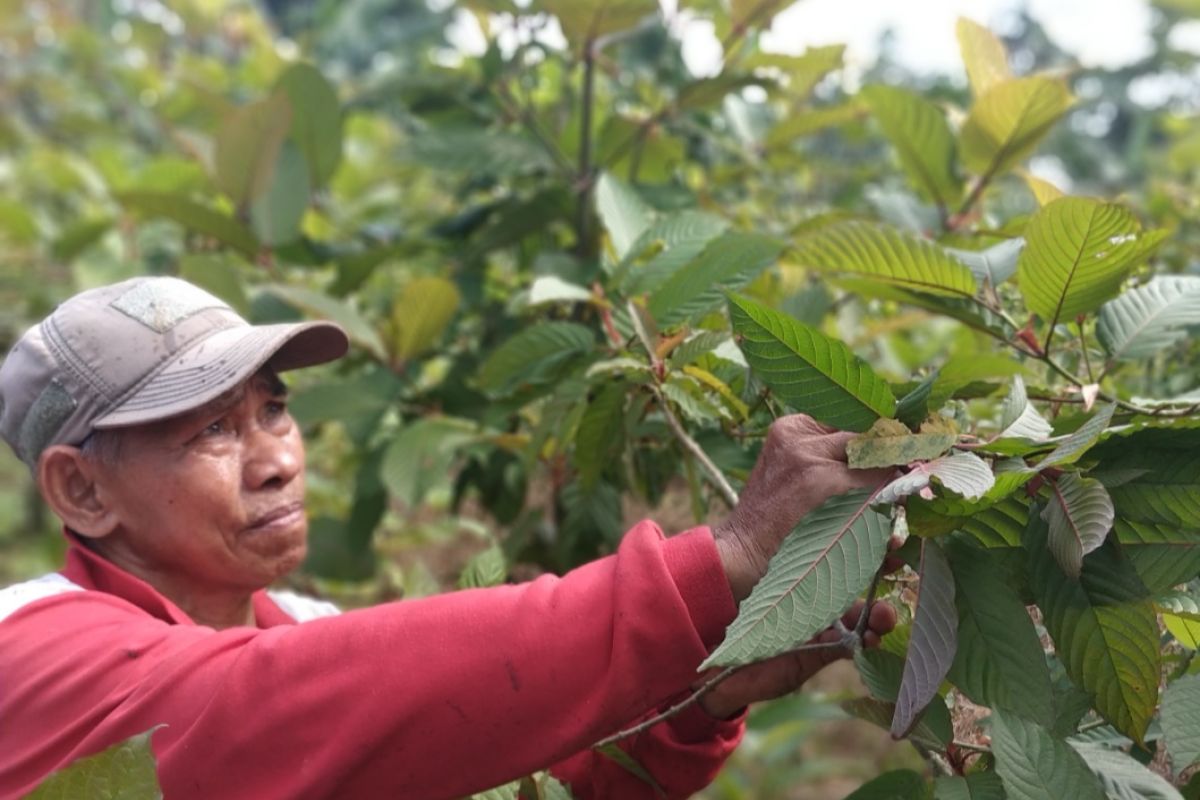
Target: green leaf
[600, 435]
[1079, 515]
[420, 456]
[963, 473]
[509, 791]
[883, 254]
[317, 304]
[889, 442]
[822, 566]
[1124, 778]
[1000, 661]
[934, 639]
[1078, 253]
[967, 310]
[532, 353]
[900, 784]
[881, 672]
[1181, 616]
[1019, 419]
[276, 214]
[1149, 319]
[994, 265]
[676, 240]
[551, 788]
[627, 762]
[247, 142]
[933, 731]
[583, 21]
[1008, 120]
[1076, 444]
[486, 568]
[1163, 555]
[918, 130]
[421, 312]
[125, 771]
[219, 273]
[1035, 766]
[77, 237]
[194, 217]
[728, 262]
[1166, 491]
[808, 370]
[477, 151]
[979, 786]
[1181, 721]
[1104, 629]
[626, 217]
[316, 125]
[983, 55]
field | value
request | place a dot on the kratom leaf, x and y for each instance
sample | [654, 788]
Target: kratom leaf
[316, 124]
[696, 346]
[918, 130]
[1104, 629]
[679, 239]
[883, 254]
[551, 788]
[994, 265]
[983, 55]
[934, 639]
[964, 473]
[1035, 766]
[1019, 419]
[1079, 252]
[979, 786]
[933, 731]
[967, 310]
[889, 442]
[627, 762]
[728, 262]
[247, 142]
[1076, 444]
[753, 13]
[1079, 515]
[1164, 556]
[533, 352]
[900, 784]
[600, 435]
[125, 771]
[808, 370]
[193, 216]
[509, 791]
[1147, 320]
[820, 568]
[421, 312]
[881, 672]
[625, 215]
[1181, 721]
[1044, 192]
[358, 328]
[803, 72]
[1122, 777]
[964, 369]
[583, 21]
[276, 214]
[999, 661]
[486, 568]
[1166, 492]
[1008, 120]
[914, 406]
[220, 273]
[420, 456]
[1181, 616]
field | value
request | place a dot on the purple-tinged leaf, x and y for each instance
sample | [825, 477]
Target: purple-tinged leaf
[934, 639]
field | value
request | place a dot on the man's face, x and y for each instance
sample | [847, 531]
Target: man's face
[215, 497]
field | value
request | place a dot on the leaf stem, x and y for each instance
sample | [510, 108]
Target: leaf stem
[1087, 363]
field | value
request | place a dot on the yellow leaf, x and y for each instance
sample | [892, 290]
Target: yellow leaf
[420, 313]
[1008, 120]
[1185, 629]
[983, 55]
[1043, 191]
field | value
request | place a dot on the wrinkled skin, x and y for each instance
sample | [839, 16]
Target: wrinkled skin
[802, 464]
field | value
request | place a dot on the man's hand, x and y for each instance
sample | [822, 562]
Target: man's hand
[802, 464]
[783, 674]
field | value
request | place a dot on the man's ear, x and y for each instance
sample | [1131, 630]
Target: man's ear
[68, 484]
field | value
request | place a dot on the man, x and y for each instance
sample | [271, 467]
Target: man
[153, 420]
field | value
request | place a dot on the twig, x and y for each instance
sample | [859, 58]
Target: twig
[1087, 363]
[714, 473]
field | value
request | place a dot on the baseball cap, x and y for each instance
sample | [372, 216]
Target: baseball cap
[135, 352]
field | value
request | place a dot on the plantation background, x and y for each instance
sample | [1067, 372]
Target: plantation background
[438, 204]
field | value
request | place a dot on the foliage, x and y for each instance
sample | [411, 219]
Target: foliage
[577, 277]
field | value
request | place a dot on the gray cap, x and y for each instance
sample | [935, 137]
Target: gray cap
[139, 351]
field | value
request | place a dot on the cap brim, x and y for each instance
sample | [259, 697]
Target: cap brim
[221, 362]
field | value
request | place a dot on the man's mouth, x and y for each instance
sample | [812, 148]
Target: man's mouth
[281, 517]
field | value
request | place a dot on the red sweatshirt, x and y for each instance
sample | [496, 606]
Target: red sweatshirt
[431, 698]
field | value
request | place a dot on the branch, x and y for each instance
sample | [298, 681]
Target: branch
[689, 444]
[583, 224]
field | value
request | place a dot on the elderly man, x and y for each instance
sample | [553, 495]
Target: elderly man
[158, 431]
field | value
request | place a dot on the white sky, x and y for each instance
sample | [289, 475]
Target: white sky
[1099, 32]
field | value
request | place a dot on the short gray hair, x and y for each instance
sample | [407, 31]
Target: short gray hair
[103, 446]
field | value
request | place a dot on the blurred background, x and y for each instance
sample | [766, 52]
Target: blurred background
[426, 182]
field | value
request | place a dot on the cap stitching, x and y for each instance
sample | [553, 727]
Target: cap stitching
[66, 356]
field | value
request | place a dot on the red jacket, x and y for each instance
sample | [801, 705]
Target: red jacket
[430, 698]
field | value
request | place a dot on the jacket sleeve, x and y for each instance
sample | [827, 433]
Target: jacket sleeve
[431, 698]
[682, 755]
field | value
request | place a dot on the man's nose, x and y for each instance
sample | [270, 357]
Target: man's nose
[272, 458]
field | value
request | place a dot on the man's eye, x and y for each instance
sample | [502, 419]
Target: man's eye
[276, 408]
[215, 428]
